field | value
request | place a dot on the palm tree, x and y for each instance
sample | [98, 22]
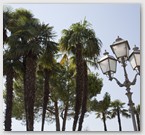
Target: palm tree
[118, 109]
[47, 63]
[10, 65]
[137, 113]
[101, 109]
[25, 44]
[8, 71]
[80, 40]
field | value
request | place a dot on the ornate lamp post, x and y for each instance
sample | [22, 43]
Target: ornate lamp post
[108, 66]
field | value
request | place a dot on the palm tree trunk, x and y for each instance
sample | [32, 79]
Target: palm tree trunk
[138, 121]
[4, 35]
[45, 95]
[65, 116]
[9, 99]
[25, 92]
[57, 116]
[29, 89]
[104, 121]
[79, 84]
[119, 120]
[85, 95]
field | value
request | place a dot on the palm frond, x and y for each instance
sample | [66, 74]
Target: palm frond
[64, 59]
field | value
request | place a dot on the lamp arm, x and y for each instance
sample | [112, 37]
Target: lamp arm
[117, 81]
[134, 80]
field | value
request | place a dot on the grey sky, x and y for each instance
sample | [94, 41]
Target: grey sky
[108, 21]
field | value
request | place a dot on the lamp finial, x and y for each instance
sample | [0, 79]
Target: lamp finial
[118, 38]
[106, 53]
[135, 48]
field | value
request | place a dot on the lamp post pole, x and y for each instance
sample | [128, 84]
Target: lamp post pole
[127, 84]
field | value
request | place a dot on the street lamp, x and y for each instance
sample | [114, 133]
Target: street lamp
[134, 59]
[121, 49]
[108, 66]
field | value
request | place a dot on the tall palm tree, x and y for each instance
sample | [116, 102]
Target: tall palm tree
[80, 41]
[118, 108]
[137, 113]
[10, 65]
[47, 63]
[8, 71]
[25, 44]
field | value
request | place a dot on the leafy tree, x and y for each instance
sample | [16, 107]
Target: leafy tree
[63, 89]
[118, 109]
[95, 85]
[18, 100]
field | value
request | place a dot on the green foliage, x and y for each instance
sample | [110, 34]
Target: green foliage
[63, 86]
[18, 101]
[95, 85]
[118, 106]
[101, 107]
[81, 33]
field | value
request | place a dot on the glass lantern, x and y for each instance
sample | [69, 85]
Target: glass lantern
[108, 64]
[121, 49]
[134, 59]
